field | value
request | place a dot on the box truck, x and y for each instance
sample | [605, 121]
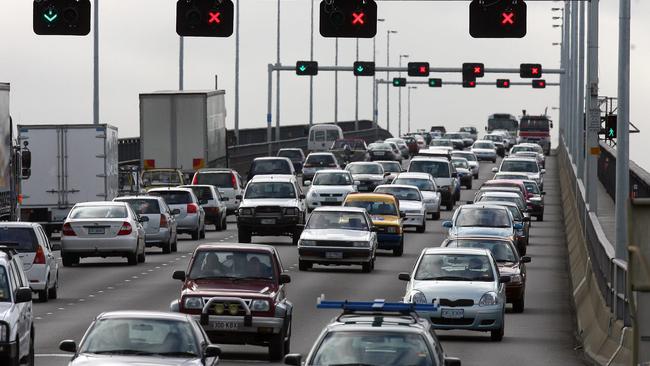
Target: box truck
[75, 163]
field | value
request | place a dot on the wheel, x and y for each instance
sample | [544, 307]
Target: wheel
[167, 247]
[277, 346]
[30, 356]
[494, 160]
[397, 252]
[435, 215]
[196, 234]
[243, 236]
[540, 217]
[422, 228]
[469, 186]
[295, 237]
[497, 335]
[476, 176]
[175, 243]
[366, 267]
[304, 266]
[16, 361]
[54, 290]
[43, 295]
[202, 233]
[132, 259]
[69, 260]
[518, 306]
[143, 256]
[224, 224]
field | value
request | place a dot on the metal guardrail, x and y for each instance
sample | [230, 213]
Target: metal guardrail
[639, 178]
[611, 273]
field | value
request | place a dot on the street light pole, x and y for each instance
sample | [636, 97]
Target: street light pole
[374, 78]
[336, 82]
[96, 64]
[237, 73]
[311, 77]
[356, 94]
[277, 85]
[593, 122]
[181, 59]
[399, 97]
[388, 33]
[408, 127]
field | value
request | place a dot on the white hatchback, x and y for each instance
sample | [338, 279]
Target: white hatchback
[329, 188]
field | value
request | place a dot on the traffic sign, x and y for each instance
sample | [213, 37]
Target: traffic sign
[435, 83]
[307, 68]
[530, 71]
[205, 18]
[418, 69]
[399, 82]
[348, 18]
[61, 17]
[497, 19]
[363, 68]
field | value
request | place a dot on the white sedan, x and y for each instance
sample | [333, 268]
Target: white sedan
[410, 202]
[428, 189]
[484, 150]
[329, 188]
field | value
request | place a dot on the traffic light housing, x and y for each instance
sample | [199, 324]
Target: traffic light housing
[539, 84]
[469, 83]
[348, 18]
[205, 18]
[418, 69]
[399, 82]
[497, 19]
[473, 70]
[530, 71]
[307, 68]
[61, 17]
[363, 68]
[611, 124]
[503, 83]
[435, 83]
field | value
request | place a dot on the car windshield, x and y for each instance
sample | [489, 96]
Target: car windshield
[526, 166]
[320, 159]
[143, 206]
[453, 136]
[161, 178]
[441, 143]
[332, 179]
[532, 187]
[270, 190]
[141, 337]
[291, 154]
[402, 193]
[391, 167]
[483, 145]
[365, 169]
[270, 166]
[468, 157]
[337, 220]
[5, 294]
[530, 124]
[482, 217]
[511, 176]
[174, 197]
[460, 163]
[494, 138]
[437, 169]
[516, 200]
[454, 267]
[374, 207]
[24, 237]
[519, 148]
[229, 264]
[98, 212]
[423, 184]
[221, 179]
[501, 250]
[375, 348]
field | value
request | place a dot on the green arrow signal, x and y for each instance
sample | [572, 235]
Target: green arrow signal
[50, 16]
[360, 68]
[302, 68]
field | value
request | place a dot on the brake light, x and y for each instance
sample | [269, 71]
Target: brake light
[233, 180]
[40, 256]
[192, 208]
[195, 180]
[126, 229]
[163, 221]
[67, 230]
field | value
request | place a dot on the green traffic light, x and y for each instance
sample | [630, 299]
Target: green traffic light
[303, 68]
[359, 68]
[610, 133]
[50, 16]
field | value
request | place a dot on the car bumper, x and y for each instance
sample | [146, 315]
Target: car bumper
[514, 292]
[432, 207]
[389, 241]
[486, 156]
[233, 330]
[36, 275]
[413, 220]
[466, 180]
[319, 202]
[368, 186]
[162, 236]
[8, 351]
[336, 255]
[477, 318]
[189, 223]
[99, 246]
[261, 226]
[536, 209]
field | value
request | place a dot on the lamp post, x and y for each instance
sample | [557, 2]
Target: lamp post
[374, 77]
[388, 33]
[408, 127]
[399, 97]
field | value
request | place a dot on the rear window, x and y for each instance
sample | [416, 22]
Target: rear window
[320, 159]
[332, 135]
[202, 193]
[99, 212]
[291, 154]
[221, 180]
[174, 197]
[437, 169]
[24, 237]
[275, 166]
[143, 206]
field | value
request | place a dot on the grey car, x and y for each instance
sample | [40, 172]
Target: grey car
[160, 230]
[212, 203]
[191, 216]
[143, 338]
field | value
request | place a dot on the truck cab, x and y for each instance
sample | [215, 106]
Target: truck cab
[537, 130]
[159, 178]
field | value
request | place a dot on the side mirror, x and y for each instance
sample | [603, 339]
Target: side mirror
[447, 224]
[404, 276]
[239, 197]
[495, 170]
[179, 275]
[176, 211]
[203, 202]
[374, 229]
[543, 171]
[23, 294]
[293, 359]
[504, 279]
[543, 193]
[454, 175]
[357, 182]
[68, 345]
[386, 174]
[143, 219]
[26, 158]
[402, 214]
[212, 351]
[518, 226]
[525, 259]
[452, 361]
[285, 278]
[307, 183]
[301, 196]
[56, 246]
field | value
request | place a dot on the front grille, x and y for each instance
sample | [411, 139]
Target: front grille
[334, 243]
[445, 321]
[457, 303]
[331, 195]
[330, 203]
[268, 211]
[212, 310]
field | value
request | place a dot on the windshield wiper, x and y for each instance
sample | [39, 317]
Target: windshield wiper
[233, 278]
[177, 354]
[443, 278]
[251, 278]
[123, 352]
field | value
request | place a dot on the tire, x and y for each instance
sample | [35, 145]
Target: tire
[196, 234]
[175, 244]
[30, 356]
[53, 292]
[518, 306]
[475, 176]
[304, 266]
[243, 236]
[44, 295]
[366, 267]
[16, 361]
[469, 186]
[422, 228]
[497, 335]
[435, 215]
[449, 206]
[276, 346]
[397, 252]
[224, 223]
[132, 259]
[202, 233]
[540, 217]
[295, 237]
[142, 257]
[167, 248]
[494, 160]
[69, 260]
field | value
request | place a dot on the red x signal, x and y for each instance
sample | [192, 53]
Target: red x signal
[358, 18]
[477, 69]
[508, 18]
[534, 71]
[423, 70]
[214, 18]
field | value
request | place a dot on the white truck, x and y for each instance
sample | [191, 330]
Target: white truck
[76, 163]
[184, 130]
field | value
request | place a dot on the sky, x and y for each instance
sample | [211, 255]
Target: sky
[51, 76]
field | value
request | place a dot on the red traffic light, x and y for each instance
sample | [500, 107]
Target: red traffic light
[205, 18]
[539, 84]
[469, 83]
[348, 18]
[418, 69]
[530, 71]
[473, 70]
[503, 83]
[497, 19]
[358, 18]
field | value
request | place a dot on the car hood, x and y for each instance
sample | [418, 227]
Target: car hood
[4, 309]
[443, 181]
[111, 360]
[368, 177]
[283, 202]
[429, 195]
[410, 205]
[335, 234]
[481, 231]
[385, 220]
[331, 189]
[245, 288]
[453, 290]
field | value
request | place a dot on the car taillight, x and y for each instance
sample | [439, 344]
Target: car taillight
[192, 208]
[40, 256]
[126, 229]
[163, 221]
[195, 180]
[67, 230]
[233, 180]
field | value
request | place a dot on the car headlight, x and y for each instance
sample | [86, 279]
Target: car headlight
[4, 332]
[245, 211]
[313, 194]
[291, 211]
[516, 278]
[489, 299]
[536, 199]
[193, 303]
[360, 244]
[260, 305]
[307, 243]
[429, 201]
[392, 229]
[417, 297]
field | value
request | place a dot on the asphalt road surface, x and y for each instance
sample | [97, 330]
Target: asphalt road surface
[542, 335]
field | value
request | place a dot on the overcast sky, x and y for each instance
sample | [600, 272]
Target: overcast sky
[51, 77]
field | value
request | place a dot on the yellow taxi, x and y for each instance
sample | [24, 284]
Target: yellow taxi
[386, 217]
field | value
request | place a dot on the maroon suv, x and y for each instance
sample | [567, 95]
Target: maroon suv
[238, 293]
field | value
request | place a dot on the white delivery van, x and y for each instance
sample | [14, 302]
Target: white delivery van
[321, 137]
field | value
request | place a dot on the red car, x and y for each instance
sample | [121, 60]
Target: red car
[238, 293]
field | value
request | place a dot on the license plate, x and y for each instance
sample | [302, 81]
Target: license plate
[330, 199]
[96, 230]
[224, 325]
[267, 221]
[453, 313]
[379, 153]
[333, 255]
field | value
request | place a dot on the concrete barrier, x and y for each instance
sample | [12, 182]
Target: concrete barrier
[605, 340]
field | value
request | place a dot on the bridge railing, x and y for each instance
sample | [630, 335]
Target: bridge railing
[639, 178]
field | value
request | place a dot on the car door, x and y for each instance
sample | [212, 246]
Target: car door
[23, 310]
[301, 202]
[50, 261]
[171, 219]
